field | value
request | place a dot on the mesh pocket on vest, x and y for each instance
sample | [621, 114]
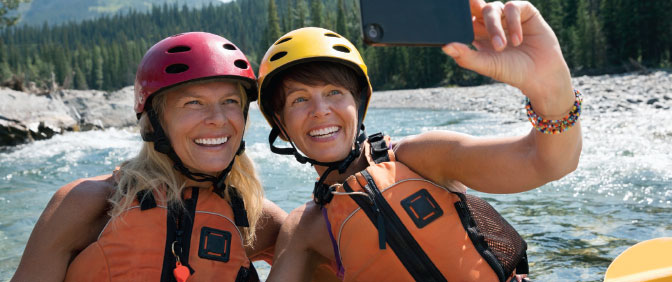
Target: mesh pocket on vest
[506, 244]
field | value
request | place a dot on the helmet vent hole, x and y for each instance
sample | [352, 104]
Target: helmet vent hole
[229, 46]
[177, 68]
[283, 40]
[241, 64]
[332, 35]
[278, 56]
[341, 48]
[179, 49]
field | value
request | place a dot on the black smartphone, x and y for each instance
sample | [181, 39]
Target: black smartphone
[416, 23]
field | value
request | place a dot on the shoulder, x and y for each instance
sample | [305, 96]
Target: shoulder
[72, 220]
[268, 226]
[101, 186]
[85, 194]
[273, 212]
[79, 205]
[306, 223]
[305, 216]
[272, 217]
[267, 231]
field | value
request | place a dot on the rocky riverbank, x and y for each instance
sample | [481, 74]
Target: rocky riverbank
[602, 94]
[25, 117]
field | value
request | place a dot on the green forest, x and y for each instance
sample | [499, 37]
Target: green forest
[597, 37]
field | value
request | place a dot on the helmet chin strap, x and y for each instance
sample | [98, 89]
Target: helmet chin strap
[321, 192]
[162, 145]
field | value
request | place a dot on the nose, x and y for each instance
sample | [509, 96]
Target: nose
[216, 115]
[320, 107]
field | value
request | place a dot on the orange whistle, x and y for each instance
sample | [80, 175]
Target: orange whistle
[181, 272]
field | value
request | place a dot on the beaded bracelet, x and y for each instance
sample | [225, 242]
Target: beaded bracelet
[557, 125]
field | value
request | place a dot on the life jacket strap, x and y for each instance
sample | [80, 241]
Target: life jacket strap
[247, 274]
[379, 148]
[238, 207]
[523, 267]
[146, 199]
[179, 224]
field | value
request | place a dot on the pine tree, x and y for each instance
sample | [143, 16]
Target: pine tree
[590, 49]
[340, 20]
[5, 71]
[273, 28]
[97, 75]
[316, 13]
[300, 14]
[80, 80]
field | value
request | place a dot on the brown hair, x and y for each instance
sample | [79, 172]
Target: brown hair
[314, 73]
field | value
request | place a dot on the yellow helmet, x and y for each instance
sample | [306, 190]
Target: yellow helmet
[309, 44]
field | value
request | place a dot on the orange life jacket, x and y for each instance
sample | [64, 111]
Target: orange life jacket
[143, 243]
[394, 225]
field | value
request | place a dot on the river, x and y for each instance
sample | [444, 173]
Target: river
[620, 194]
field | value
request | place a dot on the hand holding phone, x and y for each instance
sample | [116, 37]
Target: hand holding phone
[416, 23]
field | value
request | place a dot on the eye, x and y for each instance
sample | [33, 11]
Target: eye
[231, 101]
[192, 102]
[334, 92]
[299, 100]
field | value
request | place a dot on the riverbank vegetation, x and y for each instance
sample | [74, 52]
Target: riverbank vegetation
[597, 37]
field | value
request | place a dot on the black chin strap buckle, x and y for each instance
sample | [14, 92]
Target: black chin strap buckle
[322, 193]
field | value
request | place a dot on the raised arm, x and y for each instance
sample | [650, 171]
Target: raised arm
[515, 46]
[72, 220]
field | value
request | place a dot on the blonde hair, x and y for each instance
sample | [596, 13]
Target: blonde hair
[153, 171]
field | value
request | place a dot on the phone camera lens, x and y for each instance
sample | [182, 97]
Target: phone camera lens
[373, 31]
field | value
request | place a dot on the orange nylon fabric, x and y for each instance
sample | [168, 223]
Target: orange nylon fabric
[444, 240]
[131, 246]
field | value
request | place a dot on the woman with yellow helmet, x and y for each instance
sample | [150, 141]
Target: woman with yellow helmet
[398, 211]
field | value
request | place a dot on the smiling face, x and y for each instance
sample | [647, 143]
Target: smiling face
[205, 123]
[321, 120]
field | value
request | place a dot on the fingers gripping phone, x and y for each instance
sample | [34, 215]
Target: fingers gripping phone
[416, 22]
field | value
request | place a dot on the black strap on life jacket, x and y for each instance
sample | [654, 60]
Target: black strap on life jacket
[146, 199]
[238, 207]
[379, 148]
[392, 231]
[179, 223]
[523, 266]
[247, 274]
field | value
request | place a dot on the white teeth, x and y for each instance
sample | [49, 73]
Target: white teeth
[324, 132]
[211, 141]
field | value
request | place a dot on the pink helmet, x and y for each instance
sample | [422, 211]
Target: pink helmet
[189, 56]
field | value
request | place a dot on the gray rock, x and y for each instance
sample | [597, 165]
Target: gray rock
[29, 117]
[652, 101]
[12, 132]
[26, 117]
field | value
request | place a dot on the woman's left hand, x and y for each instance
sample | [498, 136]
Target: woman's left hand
[515, 46]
